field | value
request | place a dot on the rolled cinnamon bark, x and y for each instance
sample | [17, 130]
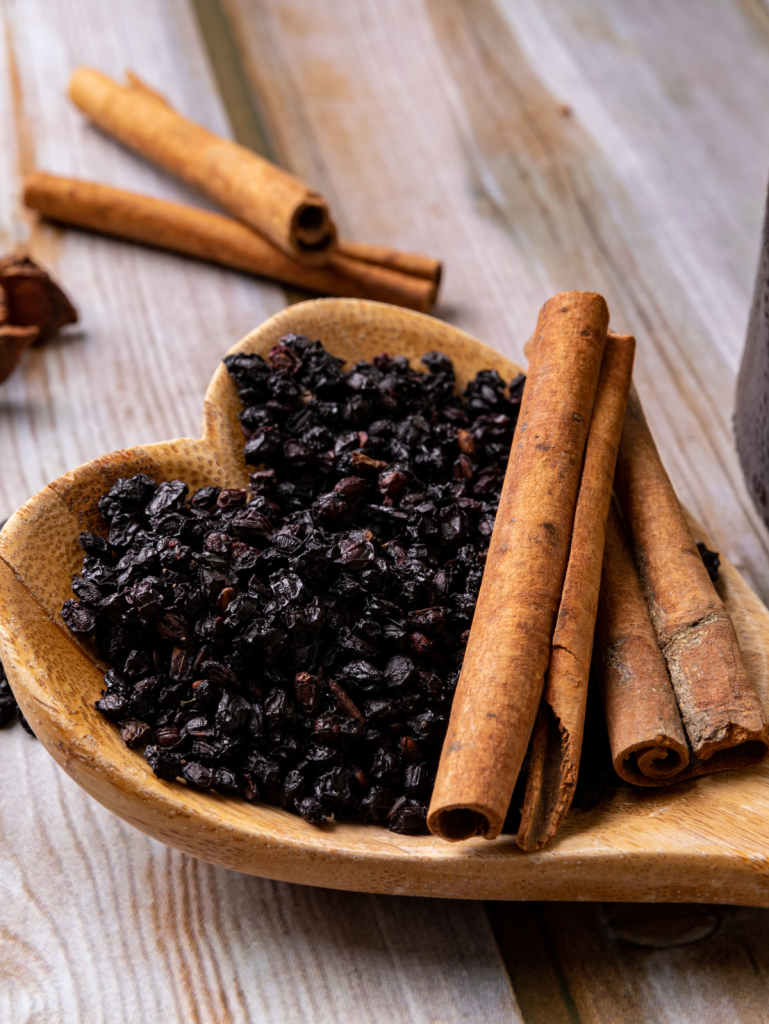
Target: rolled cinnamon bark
[211, 236]
[648, 744]
[269, 199]
[719, 707]
[557, 739]
[405, 262]
[509, 646]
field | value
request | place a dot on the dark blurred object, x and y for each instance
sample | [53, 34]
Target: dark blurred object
[32, 308]
[9, 709]
[13, 342]
[751, 417]
[711, 560]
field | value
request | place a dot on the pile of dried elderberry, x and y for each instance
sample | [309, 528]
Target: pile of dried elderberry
[302, 647]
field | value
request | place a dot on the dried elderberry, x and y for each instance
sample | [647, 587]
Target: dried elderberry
[9, 709]
[8, 706]
[300, 643]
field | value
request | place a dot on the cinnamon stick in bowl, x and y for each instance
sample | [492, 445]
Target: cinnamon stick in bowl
[212, 236]
[557, 739]
[646, 736]
[277, 204]
[508, 651]
[719, 707]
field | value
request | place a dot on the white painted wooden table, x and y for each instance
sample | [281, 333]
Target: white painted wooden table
[616, 145]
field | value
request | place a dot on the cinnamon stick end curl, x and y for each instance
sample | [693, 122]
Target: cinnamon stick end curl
[455, 824]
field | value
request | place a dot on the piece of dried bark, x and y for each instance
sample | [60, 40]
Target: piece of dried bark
[32, 308]
[13, 342]
[32, 297]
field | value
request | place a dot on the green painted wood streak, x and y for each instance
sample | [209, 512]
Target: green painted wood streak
[237, 96]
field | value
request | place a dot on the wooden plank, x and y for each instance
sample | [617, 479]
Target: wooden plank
[637, 964]
[98, 922]
[441, 127]
[144, 315]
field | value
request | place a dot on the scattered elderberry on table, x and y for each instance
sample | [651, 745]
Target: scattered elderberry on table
[300, 643]
[9, 709]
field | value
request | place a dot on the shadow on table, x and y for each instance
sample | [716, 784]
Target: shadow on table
[624, 962]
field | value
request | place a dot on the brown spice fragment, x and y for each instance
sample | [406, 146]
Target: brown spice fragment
[557, 739]
[343, 701]
[14, 341]
[32, 308]
[719, 706]
[32, 297]
[361, 461]
[465, 441]
[509, 646]
[135, 733]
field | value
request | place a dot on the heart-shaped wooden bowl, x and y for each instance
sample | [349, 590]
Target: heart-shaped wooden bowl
[703, 840]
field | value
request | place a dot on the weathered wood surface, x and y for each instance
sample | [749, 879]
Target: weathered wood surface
[145, 316]
[442, 126]
[620, 963]
[437, 126]
[98, 922]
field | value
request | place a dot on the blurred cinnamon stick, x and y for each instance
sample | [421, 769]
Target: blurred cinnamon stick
[557, 738]
[277, 204]
[508, 650]
[719, 707]
[410, 263]
[212, 236]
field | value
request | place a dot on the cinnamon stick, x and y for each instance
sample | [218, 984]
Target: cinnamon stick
[557, 739]
[410, 263]
[277, 204]
[719, 707]
[648, 744]
[509, 646]
[214, 237]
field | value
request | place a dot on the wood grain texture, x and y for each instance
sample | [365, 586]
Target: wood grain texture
[77, 397]
[98, 922]
[441, 127]
[620, 963]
